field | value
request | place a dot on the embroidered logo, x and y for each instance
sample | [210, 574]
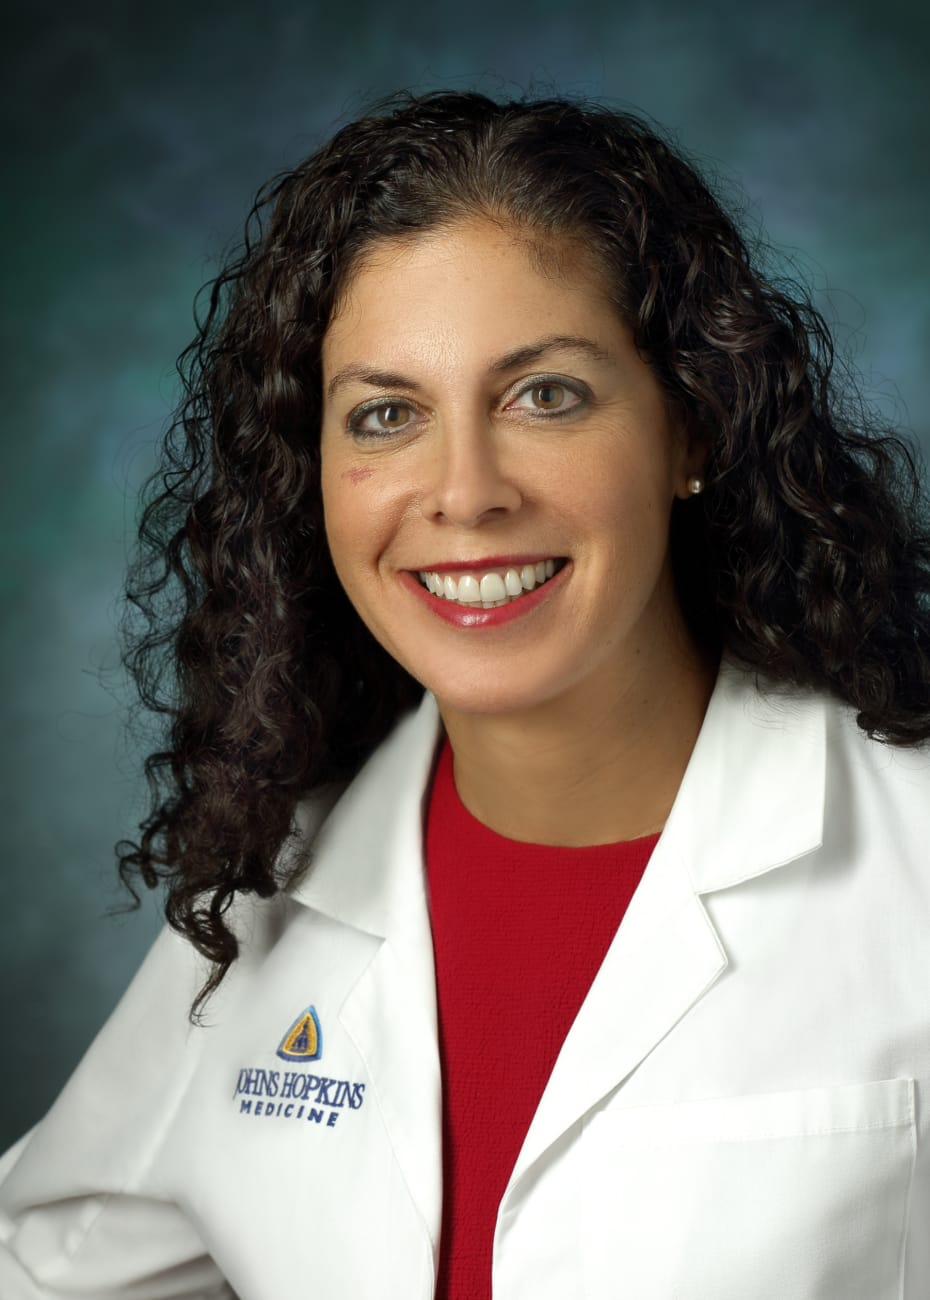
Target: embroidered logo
[297, 1094]
[304, 1040]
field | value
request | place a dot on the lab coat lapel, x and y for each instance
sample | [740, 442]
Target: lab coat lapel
[751, 799]
[663, 959]
[367, 871]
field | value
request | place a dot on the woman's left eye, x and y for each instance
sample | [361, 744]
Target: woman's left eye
[549, 397]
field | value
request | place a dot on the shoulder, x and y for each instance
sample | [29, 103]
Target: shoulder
[875, 795]
[773, 705]
[878, 806]
[799, 754]
[896, 772]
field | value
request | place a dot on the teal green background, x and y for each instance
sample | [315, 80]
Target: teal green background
[133, 145]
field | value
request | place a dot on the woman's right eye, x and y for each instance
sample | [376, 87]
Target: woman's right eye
[381, 420]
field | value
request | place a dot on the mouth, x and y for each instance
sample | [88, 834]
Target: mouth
[490, 588]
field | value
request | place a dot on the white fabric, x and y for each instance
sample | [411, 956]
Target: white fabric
[739, 1110]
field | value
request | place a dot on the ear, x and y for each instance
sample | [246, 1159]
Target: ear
[693, 452]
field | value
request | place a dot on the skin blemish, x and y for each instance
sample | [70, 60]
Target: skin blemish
[358, 474]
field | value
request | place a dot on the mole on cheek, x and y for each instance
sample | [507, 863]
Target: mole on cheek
[358, 475]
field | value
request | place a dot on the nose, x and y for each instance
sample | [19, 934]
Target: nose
[467, 483]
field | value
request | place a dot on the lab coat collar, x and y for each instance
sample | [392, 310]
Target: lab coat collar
[761, 750]
[366, 858]
[752, 797]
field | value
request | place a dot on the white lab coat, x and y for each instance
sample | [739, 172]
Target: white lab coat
[741, 1108]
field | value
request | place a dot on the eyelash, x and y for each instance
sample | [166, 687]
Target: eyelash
[353, 423]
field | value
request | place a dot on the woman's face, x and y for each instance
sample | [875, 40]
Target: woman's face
[487, 423]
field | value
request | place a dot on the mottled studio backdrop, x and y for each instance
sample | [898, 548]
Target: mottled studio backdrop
[134, 137]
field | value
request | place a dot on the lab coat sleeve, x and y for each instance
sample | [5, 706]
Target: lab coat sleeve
[80, 1214]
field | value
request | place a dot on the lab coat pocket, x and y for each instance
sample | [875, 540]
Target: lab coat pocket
[779, 1196]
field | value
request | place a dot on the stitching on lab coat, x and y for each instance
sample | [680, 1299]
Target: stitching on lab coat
[774, 1135]
[906, 1217]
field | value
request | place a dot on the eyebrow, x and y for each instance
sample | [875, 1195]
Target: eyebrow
[522, 356]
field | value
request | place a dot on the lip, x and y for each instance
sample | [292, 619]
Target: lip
[465, 616]
[486, 562]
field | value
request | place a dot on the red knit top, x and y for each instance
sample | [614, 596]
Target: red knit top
[519, 932]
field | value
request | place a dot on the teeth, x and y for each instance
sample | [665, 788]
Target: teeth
[469, 592]
[491, 586]
[491, 589]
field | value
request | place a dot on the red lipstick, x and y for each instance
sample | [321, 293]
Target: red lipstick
[473, 616]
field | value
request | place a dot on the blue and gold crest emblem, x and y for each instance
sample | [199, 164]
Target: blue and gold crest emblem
[304, 1040]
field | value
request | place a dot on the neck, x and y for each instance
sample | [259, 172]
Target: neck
[587, 768]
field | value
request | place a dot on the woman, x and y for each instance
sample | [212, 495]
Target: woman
[599, 966]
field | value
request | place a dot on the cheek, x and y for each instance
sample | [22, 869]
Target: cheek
[357, 513]
[341, 513]
[612, 498]
[625, 510]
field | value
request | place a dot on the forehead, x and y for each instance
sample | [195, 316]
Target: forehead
[476, 280]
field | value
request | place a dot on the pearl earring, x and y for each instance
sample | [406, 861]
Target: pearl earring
[695, 485]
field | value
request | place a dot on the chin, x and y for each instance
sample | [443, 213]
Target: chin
[487, 695]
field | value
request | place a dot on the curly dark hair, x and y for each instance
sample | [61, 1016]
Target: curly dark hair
[807, 557]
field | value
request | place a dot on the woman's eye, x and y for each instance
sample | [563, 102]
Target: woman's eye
[549, 396]
[383, 419]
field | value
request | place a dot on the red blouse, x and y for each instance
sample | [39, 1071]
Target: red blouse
[519, 932]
